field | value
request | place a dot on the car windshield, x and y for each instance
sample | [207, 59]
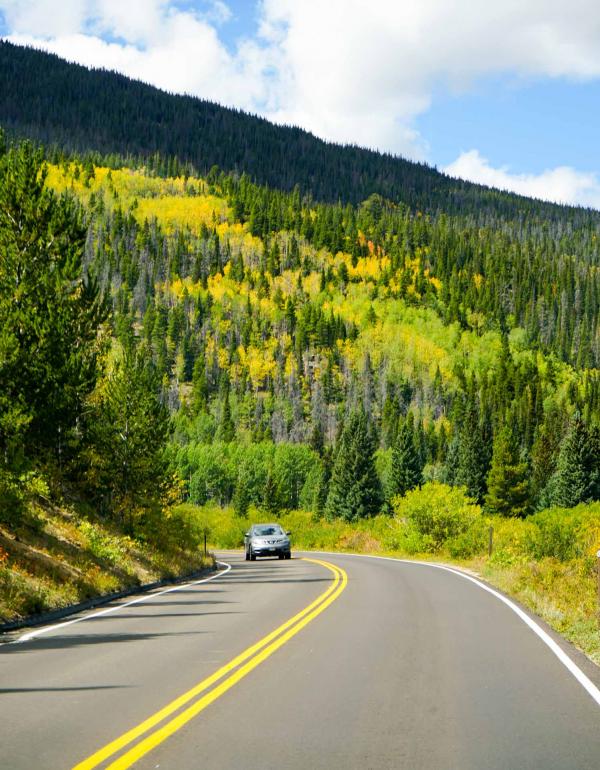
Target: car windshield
[268, 529]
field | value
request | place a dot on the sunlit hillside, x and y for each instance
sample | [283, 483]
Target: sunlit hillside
[260, 331]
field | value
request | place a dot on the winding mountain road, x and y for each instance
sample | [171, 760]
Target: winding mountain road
[331, 661]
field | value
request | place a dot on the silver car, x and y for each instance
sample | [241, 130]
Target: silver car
[267, 540]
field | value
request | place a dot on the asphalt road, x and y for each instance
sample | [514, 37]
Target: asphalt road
[403, 666]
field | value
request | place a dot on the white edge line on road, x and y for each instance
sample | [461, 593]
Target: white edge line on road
[569, 664]
[33, 634]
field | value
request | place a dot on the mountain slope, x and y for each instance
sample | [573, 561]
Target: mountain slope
[64, 104]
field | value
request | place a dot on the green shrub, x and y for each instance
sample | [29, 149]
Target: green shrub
[565, 533]
[16, 492]
[436, 515]
[100, 544]
[471, 541]
[224, 530]
[186, 527]
[12, 499]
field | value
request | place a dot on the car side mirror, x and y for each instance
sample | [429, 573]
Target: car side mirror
[247, 534]
[288, 532]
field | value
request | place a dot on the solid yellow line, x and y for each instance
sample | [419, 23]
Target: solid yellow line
[126, 738]
[154, 739]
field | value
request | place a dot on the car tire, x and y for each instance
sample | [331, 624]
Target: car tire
[252, 556]
[288, 555]
[281, 555]
[247, 556]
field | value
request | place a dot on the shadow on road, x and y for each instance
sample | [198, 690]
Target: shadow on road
[157, 615]
[247, 580]
[80, 640]
[17, 690]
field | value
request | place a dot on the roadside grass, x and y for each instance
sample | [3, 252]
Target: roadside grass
[58, 556]
[561, 589]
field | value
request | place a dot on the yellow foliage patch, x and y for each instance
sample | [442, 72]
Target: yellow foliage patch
[369, 267]
[223, 358]
[259, 362]
[174, 212]
[312, 284]
[181, 285]
[221, 287]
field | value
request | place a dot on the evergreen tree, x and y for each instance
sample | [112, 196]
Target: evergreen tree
[50, 313]
[354, 489]
[544, 455]
[241, 495]
[322, 490]
[507, 482]
[271, 497]
[575, 478]
[594, 461]
[317, 440]
[128, 467]
[389, 420]
[472, 465]
[199, 386]
[451, 460]
[226, 431]
[406, 470]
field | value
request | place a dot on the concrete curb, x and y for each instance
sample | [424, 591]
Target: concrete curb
[97, 601]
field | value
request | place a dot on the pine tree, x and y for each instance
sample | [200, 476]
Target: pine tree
[317, 439]
[507, 482]
[449, 471]
[241, 495]
[406, 470]
[199, 386]
[322, 490]
[51, 314]
[389, 419]
[544, 455]
[271, 497]
[226, 431]
[354, 489]
[472, 464]
[128, 468]
[574, 480]
[594, 461]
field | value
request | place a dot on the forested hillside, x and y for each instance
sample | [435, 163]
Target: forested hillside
[271, 322]
[66, 105]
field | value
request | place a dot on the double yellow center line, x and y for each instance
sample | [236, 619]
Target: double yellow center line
[230, 674]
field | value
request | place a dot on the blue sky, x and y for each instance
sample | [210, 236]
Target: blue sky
[530, 126]
[507, 95]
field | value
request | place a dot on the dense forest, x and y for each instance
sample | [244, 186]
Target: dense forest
[295, 354]
[66, 105]
[308, 326]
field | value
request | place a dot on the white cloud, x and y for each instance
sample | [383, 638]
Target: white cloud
[348, 70]
[561, 185]
[44, 18]
[218, 12]
[153, 41]
[357, 71]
